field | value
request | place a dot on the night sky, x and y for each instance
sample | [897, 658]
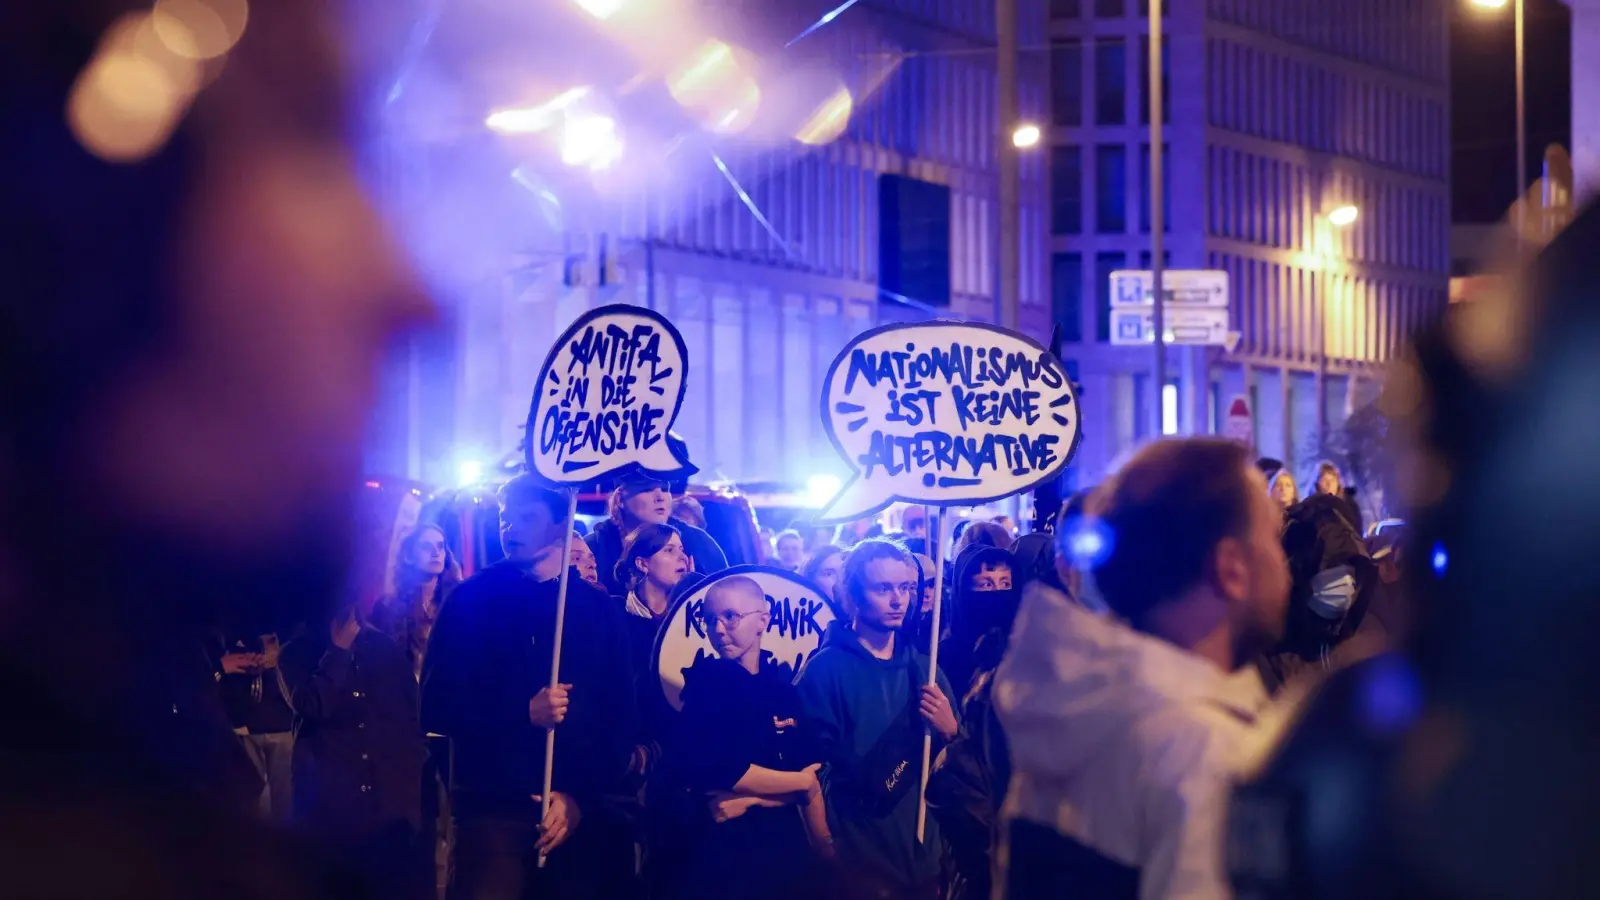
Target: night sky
[1483, 101]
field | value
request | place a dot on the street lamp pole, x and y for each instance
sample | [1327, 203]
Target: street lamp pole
[1010, 188]
[1158, 223]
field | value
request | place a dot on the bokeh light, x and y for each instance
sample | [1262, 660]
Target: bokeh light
[200, 29]
[534, 119]
[590, 141]
[130, 97]
[715, 85]
[1026, 136]
[828, 120]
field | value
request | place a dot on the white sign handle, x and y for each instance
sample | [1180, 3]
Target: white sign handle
[555, 656]
[936, 537]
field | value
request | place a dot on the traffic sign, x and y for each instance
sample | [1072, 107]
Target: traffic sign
[1239, 423]
[1192, 325]
[1182, 287]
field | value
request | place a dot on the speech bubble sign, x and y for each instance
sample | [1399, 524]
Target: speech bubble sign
[800, 612]
[945, 414]
[606, 397]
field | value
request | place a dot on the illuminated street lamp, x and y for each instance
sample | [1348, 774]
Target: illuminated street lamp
[1026, 137]
[1522, 107]
[1338, 218]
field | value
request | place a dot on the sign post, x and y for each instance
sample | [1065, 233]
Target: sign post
[604, 402]
[1239, 423]
[944, 414]
[1194, 309]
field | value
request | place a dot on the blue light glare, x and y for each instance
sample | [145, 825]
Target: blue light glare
[827, 17]
[1086, 542]
[750, 204]
[1390, 695]
[1440, 560]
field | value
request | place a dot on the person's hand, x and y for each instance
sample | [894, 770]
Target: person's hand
[810, 783]
[548, 708]
[559, 822]
[343, 634]
[727, 807]
[937, 713]
[240, 663]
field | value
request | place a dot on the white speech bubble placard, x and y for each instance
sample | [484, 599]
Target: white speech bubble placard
[945, 414]
[800, 612]
[606, 397]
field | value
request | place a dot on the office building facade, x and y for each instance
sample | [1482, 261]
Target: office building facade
[1278, 112]
[767, 290]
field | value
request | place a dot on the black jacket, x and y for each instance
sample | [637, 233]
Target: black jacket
[606, 544]
[358, 749]
[255, 702]
[732, 720]
[488, 656]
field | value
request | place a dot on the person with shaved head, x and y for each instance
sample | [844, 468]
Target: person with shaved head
[759, 828]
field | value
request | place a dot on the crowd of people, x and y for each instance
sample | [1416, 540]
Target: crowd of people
[1090, 745]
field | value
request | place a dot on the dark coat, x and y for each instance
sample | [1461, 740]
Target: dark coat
[1318, 535]
[490, 653]
[606, 544]
[732, 720]
[358, 749]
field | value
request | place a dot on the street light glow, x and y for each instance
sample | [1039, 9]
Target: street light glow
[590, 141]
[1026, 136]
[601, 9]
[1344, 216]
[1490, 4]
[534, 119]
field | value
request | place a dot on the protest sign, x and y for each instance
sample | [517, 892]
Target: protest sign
[945, 414]
[606, 398]
[799, 613]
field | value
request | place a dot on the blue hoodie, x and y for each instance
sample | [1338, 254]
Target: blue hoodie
[850, 698]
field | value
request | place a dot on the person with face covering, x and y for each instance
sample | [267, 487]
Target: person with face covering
[866, 695]
[197, 280]
[983, 602]
[485, 685]
[742, 751]
[1125, 734]
[1334, 581]
[641, 500]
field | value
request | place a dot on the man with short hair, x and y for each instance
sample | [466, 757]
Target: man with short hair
[1125, 738]
[485, 684]
[791, 550]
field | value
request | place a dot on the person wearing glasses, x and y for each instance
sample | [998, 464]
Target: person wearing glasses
[744, 762]
[867, 697]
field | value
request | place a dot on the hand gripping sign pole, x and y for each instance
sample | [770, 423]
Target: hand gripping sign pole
[555, 654]
[936, 538]
[603, 405]
[944, 414]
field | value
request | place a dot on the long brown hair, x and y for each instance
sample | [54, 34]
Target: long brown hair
[408, 579]
[645, 541]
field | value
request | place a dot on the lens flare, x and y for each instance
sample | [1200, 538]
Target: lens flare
[534, 119]
[590, 141]
[200, 29]
[130, 97]
[828, 120]
[715, 85]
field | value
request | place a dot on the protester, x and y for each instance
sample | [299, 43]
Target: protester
[824, 567]
[582, 560]
[791, 551]
[1331, 482]
[425, 572]
[1124, 738]
[984, 600]
[983, 534]
[689, 510]
[1333, 582]
[642, 500]
[653, 563]
[358, 749]
[192, 339]
[914, 522]
[260, 715]
[852, 533]
[1280, 484]
[866, 694]
[1007, 525]
[485, 684]
[742, 749]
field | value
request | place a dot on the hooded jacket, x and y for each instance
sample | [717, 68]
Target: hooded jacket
[850, 698]
[605, 542]
[1123, 748]
[978, 617]
[1318, 535]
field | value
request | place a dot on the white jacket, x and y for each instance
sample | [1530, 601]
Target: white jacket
[1124, 743]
